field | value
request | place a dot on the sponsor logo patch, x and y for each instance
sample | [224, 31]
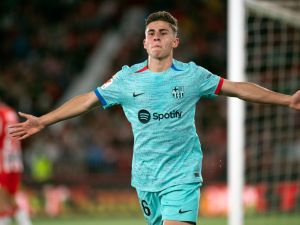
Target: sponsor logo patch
[107, 83]
[170, 115]
[144, 116]
[136, 94]
[184, 211]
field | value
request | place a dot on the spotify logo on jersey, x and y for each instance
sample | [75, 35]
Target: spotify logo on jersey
[144, 116]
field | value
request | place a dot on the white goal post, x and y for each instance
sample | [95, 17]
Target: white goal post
[263, 47]
[235, 112]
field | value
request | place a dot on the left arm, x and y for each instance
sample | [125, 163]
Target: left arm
[254, 93]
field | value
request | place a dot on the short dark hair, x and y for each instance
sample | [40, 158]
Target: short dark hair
[163, 16]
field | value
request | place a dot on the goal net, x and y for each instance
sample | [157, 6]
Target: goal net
[272, 156]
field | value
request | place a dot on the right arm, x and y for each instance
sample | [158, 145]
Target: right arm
[72, 108]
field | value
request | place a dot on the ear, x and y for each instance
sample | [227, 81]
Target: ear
[175, 42]
[144, 43]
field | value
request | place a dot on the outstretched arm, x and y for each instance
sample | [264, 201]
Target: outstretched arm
[73, 107]
[254, 93]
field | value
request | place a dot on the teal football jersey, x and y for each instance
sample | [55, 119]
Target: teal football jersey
[161, 108]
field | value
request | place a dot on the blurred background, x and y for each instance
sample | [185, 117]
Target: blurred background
[53, 50]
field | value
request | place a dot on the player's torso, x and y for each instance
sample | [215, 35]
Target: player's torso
[161, 109]
[161, 100]
[10, 153]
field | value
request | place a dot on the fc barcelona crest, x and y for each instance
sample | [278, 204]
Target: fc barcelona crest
[178, 92]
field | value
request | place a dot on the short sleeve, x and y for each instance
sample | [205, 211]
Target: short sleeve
[109, 94]
[208, 84]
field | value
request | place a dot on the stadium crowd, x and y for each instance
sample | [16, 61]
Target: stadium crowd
[44, 47]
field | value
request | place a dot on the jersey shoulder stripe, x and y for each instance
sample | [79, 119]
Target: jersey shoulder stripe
[131, 70]
[99, 96]
[142, 70]
[220, 84]
[175, 68]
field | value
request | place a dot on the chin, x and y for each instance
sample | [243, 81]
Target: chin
[158, 55]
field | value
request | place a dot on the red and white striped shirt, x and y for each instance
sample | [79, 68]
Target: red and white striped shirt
[10, 149]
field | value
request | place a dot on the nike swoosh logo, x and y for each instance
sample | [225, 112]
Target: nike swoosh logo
[184, 211]
[135, 95]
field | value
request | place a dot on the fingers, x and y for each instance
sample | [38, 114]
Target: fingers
[19, 125]
[15, 126]
[21, 137]
[26, 135]
[23, 130]
[18, 134]
[14, 130]
[24, 115]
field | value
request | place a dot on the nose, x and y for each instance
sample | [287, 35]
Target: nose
[156, 37]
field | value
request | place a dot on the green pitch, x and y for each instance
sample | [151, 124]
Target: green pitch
[292, 219]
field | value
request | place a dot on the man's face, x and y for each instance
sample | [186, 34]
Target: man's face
[160, 39]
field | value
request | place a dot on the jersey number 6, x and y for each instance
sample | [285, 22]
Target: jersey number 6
[145, 208]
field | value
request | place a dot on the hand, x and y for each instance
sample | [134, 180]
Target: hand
[25, 129]
[295, 102]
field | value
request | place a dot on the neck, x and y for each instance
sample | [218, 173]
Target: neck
[159, 65]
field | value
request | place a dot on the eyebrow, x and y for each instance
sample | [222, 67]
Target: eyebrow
[160, 30]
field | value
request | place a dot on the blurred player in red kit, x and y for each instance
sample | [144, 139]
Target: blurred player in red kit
[11, 168]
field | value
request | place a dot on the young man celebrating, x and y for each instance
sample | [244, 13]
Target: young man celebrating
[158, 97]
[11, 168]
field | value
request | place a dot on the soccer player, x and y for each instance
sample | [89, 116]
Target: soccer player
[11, 168]
[158, 97]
